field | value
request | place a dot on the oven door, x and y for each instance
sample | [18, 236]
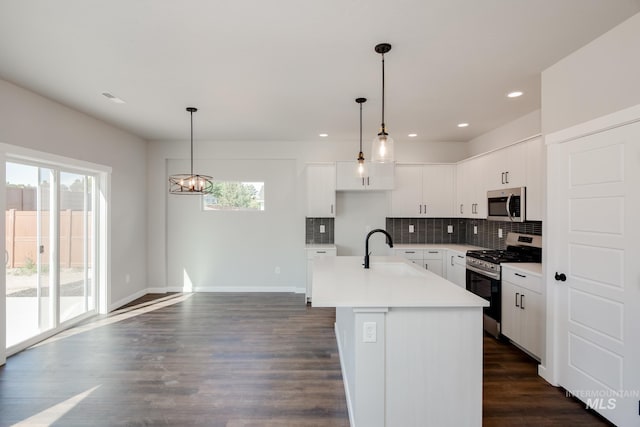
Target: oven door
[489, 289]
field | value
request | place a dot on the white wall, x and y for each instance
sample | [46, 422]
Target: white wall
[32, 121]
[514, 131]
[284, 244]
[600, 78]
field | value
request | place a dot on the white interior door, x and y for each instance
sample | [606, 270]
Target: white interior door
[595, 242]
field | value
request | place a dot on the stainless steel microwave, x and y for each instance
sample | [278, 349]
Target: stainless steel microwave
[508, 204]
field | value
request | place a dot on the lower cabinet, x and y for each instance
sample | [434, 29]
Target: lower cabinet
[311, 254]
[456, 266]
[522, 309]
[430, 259]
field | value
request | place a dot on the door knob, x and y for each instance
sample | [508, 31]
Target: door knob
[560, 276]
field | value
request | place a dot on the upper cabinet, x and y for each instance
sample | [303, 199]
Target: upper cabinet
[321, 190]
[471, 188]
[380, 176]
[519, 165]
[536, 171]
[507, 167]
[423, 191]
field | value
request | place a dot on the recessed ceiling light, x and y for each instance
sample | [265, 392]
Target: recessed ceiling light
[112, 98]
[514, 94]
[412, 135]
[323, 135]
[463, 125]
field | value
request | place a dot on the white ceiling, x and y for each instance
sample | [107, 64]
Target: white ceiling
[291, 69]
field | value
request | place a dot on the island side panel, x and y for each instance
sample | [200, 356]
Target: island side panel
[363, 363]
[434, 367]
[345, 335]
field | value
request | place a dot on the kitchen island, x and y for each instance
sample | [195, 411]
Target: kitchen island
[410, 342]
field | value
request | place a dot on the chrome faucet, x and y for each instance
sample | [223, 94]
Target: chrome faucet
[366, 244]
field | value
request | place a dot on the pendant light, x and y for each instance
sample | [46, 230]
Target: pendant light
[382, 146]
[190, 183]
[362, 167]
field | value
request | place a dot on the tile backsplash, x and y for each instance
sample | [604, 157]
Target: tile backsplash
[436, 230]
[313, 234]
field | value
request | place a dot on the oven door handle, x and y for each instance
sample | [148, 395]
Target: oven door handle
[495, 276]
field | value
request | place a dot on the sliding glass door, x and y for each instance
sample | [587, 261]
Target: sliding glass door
[50, 249]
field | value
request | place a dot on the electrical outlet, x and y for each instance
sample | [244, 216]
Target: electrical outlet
[450, 229]
[369, 332]
[321, 228]
[500, 233]
[475, 229]
[411, 228]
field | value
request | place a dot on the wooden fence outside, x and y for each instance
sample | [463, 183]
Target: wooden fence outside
[22, 238]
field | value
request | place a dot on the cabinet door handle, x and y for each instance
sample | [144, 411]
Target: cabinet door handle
[426, 266]
[321, 252]
[506, 177]
[368, 181]
[420, 208]
[434, 252]
[502, 179]
[425, 209]
[332, 208]
[409, 252]
[519, 275]
[517, 293]
[451, 259]
[363, 181]
[461, 208]
[522, 301]
[460, 256]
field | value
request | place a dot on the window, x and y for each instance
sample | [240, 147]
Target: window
[234, 196]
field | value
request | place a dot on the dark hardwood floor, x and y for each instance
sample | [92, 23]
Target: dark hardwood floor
[233, 360]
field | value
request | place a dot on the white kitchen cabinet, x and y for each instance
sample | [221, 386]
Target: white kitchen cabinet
[522, 309]
[456, 267]
[506, 168]
[430, 259]
[380, 176]
[536, 153]
[423, 191]
[321, 190]
[313, 253]
[413, 255]
[471, 188]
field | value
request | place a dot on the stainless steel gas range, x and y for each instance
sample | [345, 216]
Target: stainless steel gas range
[484, 273]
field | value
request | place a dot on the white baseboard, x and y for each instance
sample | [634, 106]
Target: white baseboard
[248, 289]
[126, 300]
[163, 290]
[352, 421]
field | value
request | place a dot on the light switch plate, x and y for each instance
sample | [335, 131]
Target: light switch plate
[475, 229]
[449, 229]
[500, 233]
[411, 228]
[322, 228]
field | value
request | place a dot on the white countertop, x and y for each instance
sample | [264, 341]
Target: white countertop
[342, 281]
[534, 268]
[451, 246]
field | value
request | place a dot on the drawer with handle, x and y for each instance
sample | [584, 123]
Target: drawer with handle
[529, 281]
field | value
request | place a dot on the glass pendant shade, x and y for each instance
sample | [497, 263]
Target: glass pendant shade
[382, 148]
[361, 170]
[382, 145]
